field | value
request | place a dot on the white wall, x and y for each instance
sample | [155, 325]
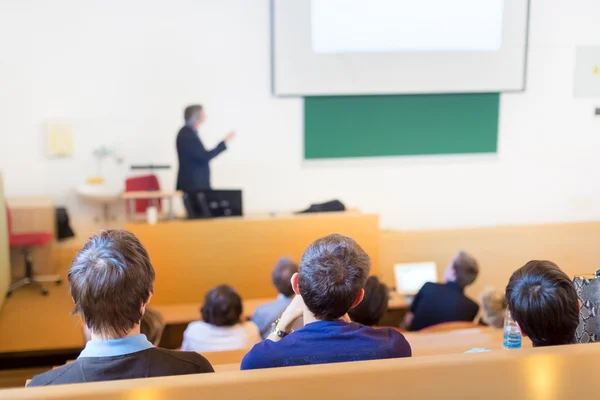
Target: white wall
[121, 72]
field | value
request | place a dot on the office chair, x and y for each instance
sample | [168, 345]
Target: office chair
[142, 183]
[27, 242]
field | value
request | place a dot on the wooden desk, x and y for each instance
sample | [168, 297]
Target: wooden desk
[152, 195]
[32, 215]
[186, 313]
[191, 257]
[555, 373]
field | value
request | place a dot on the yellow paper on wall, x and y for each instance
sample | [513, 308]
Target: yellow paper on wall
[60, 140]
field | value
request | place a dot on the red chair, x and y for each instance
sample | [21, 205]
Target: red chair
[145, 183]
[26, 242]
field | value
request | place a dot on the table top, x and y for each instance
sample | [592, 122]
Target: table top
[150, 194]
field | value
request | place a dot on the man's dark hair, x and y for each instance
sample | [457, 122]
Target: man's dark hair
[282, 275]
[190, 111]
[466, 269]
[332, 272]
[370, 311]
[111, 279]
[543, 301]
[222, 306]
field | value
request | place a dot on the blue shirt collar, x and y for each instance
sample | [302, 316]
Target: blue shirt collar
[116, 347]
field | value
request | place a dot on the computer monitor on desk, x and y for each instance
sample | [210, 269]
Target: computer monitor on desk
[214, 203]
[411, 277]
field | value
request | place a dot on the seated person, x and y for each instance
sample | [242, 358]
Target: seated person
[153, 326]
[221, 328]
[446, 302]
[544, 303]
[265, 315]
[329, 283]
[370, 311]
[111, 282]
[493, 305]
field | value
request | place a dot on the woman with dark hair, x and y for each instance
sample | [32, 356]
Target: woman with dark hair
[375, 303]
[221, 327]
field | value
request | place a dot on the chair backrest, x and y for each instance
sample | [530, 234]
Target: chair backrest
[449, 326]
[141, 184]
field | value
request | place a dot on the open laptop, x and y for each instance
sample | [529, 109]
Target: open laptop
[411, 277]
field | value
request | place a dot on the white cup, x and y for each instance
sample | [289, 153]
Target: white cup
[152, 215]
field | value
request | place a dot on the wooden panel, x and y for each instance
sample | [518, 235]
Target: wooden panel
[192, 257]
[4, 249]
[32, 215]
[558, 373]
[500, 250]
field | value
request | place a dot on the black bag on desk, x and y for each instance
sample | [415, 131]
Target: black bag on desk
[588, 291]
[329, 206]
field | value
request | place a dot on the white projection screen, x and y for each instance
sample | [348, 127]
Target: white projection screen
[354, 47]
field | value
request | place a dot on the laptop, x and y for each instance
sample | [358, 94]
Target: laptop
[411, 277]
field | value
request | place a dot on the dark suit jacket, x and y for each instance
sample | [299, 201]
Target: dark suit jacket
[142, 364]
[194, 171]
[436, 303]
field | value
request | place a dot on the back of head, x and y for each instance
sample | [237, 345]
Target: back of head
[222, 306]
[282, 275]
[153, 325]
[370, 311]
[493, 304]
[332, 273]
[465, 268]
[191, 112]
[543, 301]
[111, 279]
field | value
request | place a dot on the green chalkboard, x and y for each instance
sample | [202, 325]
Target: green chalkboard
[397, 125]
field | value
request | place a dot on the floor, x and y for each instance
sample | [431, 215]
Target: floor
[31, 322]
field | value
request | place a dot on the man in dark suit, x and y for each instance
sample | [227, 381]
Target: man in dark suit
[194, 169]
[437, 303]
[111, 282]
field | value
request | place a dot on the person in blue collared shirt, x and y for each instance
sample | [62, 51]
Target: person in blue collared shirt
[265, 315]
[111, 281]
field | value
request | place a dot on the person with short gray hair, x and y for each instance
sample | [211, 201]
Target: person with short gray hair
[437, 303]
[194, 158]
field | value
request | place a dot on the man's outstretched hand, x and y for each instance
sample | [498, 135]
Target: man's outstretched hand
[230, 136]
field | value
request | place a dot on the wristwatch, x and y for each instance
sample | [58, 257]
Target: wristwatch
[278, 332]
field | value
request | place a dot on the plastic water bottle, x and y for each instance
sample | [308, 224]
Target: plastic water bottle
[512, 333]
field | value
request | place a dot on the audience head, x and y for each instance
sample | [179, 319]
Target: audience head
[463, 270]
[375, 303]
[331, 277]
[111, 281]
[543, 301]
[222, 306]
[282, 275]
[493, 304]
[152, 325]
[194, 115]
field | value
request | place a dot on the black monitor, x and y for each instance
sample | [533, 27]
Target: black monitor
[214, 203]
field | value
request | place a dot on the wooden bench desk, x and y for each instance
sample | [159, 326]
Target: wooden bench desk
[557, 373]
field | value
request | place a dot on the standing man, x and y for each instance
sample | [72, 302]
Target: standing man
[194, 169]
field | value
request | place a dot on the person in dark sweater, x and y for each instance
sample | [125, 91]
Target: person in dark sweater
[194, 158]
[329, 283]
[446, 302]
[111, 281]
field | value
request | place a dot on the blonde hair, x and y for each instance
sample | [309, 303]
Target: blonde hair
[493, 307]
[152, 325]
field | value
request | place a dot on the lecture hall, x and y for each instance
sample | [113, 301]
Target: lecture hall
[298, 199]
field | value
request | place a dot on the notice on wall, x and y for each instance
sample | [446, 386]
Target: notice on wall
[587, 72]
[59, 139]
